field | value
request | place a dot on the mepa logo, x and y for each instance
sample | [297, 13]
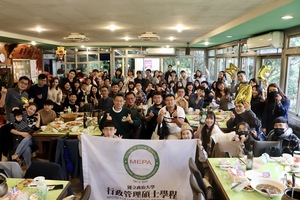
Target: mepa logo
[141, 162]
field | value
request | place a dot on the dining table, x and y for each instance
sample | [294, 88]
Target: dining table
[223, 182]
[58, 128]
[14, 185]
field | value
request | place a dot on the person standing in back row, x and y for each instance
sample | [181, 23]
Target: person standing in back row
[39, 91]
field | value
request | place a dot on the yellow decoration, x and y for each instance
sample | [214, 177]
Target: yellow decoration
[61, 52]
[230, 70]
[263, 73]
[244, 94]
[24, 100]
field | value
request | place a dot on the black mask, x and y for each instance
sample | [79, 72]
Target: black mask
[242, 132]
[278, 131]
[273, 95]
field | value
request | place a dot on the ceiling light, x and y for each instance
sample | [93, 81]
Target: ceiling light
[171, 38]
[82, 46]
[167, 46]
[179, 28]
[126, 38]
[229, 36]
[112, 27]
[33, 43]
[206, 43]
[287, 17]
[38, 29]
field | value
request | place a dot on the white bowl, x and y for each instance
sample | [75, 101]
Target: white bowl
[255, 182]
[75, 129]
[43, 128]
[295, 167]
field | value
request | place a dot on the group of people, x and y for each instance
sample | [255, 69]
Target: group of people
[139, 106]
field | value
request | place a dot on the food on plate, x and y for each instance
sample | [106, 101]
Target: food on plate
[219, 118]
[48, 128]
[248, 188]
[74, 123]
[272, 189]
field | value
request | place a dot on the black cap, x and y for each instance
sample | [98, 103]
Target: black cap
[280, 120]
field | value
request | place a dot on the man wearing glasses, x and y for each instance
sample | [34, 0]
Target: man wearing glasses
[17, 96]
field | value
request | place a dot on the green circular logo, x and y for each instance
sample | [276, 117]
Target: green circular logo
[141, 162]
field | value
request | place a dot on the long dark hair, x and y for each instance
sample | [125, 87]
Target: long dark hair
[118, 76]
[218, 91]
[97, 93]
[259, 91]
[280, 92]
[52, 81]
[206, 131]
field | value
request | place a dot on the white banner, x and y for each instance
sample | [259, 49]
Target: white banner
[137, 169]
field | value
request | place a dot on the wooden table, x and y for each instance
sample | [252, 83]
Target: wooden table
[43, 138]
[52, 194]
[223, 184]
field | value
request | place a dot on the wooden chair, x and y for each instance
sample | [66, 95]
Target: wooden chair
[202, 183]
[86, 193]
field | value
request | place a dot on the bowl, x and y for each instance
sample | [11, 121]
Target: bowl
[69, 117]
[74, 129]
[295, 167]
[271, 184]
[241, 186]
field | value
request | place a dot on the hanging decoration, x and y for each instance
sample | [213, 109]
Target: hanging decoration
[61, 52]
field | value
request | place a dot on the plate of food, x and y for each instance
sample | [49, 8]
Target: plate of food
[219, 118]
[255, 174]
[74, 123]
[262, 185]
[248, 188]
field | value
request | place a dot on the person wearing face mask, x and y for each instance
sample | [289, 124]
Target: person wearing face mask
[277, 104]
[283, 133]
[244, 135]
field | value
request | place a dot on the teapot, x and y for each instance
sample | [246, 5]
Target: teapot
[3, 185]
[287, 195]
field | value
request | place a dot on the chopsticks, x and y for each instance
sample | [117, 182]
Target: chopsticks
[242, 160]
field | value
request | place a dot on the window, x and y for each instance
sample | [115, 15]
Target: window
[211, 69]
[275, 65]
[248, 66]
[294, 41]
[293, 82]
[179, 63]
[211, 52]
[199, 61]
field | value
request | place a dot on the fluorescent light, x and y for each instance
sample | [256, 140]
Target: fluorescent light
[167, 46]
[112, 27]
[229, 36]
[287, 17]
[171, 38]
[38, 29]
[206, 43]
[82, 46]
[33, 43]
[179, 28]
[126, 38]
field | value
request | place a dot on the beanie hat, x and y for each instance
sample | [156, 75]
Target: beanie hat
[186, 126]
[280, 120]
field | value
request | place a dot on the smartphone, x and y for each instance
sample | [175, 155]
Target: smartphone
[55, 187]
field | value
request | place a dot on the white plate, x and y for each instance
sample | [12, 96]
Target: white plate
[254, 174]
[268, 181]
[33, 197]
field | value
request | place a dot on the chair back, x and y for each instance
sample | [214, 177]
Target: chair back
[197, 192]
[86, 193]
[196, 173]
[260, 147]
[227, 149]
[47, 169]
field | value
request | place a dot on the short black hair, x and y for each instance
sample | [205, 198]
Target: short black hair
[241, 72]
[24, 78]
[157, 93]
[42, 76]
[72, 70]
[113, 84]
[95, 70]
[170, 95]
[149, 70]
[48, 102]
[108, 123]
[205, 82]
[119, 95]
[73, 93]
[129, 93]
[104, 86]
[17, 112]
[200, 87]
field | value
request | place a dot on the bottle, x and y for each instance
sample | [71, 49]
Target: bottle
[69, 109]
[203, 117]
[249, 163]
[84, 120]
[42, 188]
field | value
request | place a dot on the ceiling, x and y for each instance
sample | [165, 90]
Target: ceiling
[202, 21]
